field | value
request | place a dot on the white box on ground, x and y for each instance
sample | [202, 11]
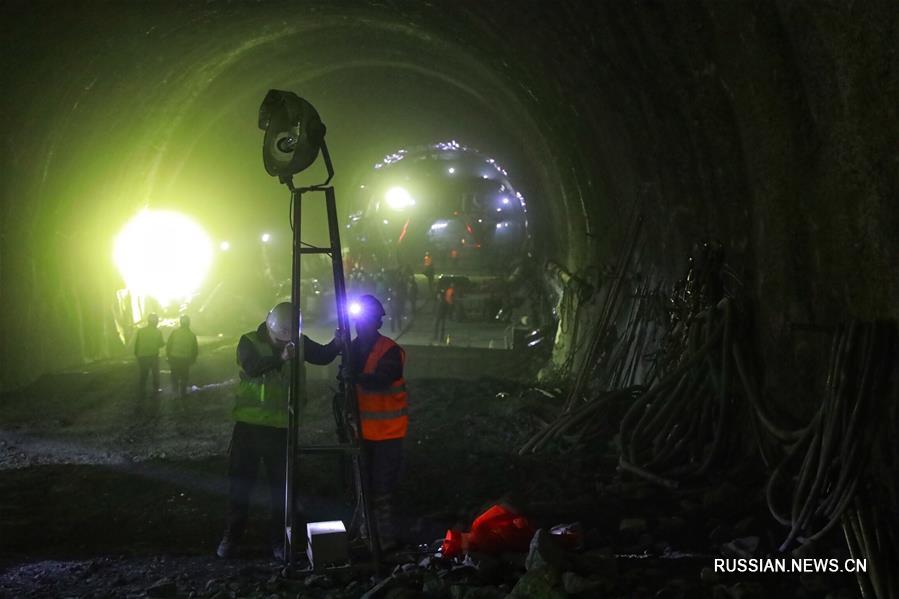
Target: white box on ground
[327, 544]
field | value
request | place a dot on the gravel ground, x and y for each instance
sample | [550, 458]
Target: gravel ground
[98, 499]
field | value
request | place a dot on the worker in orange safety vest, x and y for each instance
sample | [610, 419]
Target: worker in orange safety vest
[383, 410]
[429, 271]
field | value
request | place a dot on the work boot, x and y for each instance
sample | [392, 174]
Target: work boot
[278, 552]
[228, 546]
[358, 528]
[226, 549]
[277, 540]
[357, 534]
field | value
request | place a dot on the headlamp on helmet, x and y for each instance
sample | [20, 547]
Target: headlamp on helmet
[366, 306]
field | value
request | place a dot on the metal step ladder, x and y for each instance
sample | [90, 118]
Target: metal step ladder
[347, 408]
[294, 136]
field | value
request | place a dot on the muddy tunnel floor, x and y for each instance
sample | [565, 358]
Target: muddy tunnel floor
[100, 499]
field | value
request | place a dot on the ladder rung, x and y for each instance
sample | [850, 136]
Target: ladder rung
[315, 250]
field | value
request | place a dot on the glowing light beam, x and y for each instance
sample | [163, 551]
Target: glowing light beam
[398, 198]
[163, 254]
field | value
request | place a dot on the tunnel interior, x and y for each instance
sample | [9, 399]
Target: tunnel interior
[699, 177]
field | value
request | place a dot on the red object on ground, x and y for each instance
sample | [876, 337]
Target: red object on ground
[455, 543]
[498, 529]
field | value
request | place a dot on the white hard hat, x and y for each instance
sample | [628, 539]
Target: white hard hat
[279, 320]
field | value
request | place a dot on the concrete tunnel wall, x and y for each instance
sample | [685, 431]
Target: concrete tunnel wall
[770, 126]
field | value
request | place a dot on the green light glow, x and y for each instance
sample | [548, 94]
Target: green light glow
[398, 198]
[164, 255]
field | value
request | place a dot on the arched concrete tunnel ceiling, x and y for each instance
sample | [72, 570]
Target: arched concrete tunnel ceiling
[185, 114]
[772, 125]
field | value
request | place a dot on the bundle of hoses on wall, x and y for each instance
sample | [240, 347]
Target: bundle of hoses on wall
[581, 425]
[679, 428]
[828, 466]
[616, 373]
[840, 468]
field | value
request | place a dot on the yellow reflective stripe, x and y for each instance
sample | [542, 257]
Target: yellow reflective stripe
[384, 415]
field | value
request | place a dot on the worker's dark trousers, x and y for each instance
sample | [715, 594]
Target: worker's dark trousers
[385, 465]
[250, 444]
[440, 322]
[146, 365]
[180, 368]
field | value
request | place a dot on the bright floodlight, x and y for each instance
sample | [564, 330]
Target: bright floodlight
[162, 254]
[398, 198]
[224, 246]
[355, 308]
[266, 238]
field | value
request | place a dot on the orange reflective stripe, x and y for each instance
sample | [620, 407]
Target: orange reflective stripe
[383, 416]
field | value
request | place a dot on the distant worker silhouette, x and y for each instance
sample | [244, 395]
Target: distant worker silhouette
[428, 271]
[181, 351]
[412, 289]
[399, 289]
[146, 350]
[445, 302]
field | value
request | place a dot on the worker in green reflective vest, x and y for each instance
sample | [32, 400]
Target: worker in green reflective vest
[260, 430]
[181, 350]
